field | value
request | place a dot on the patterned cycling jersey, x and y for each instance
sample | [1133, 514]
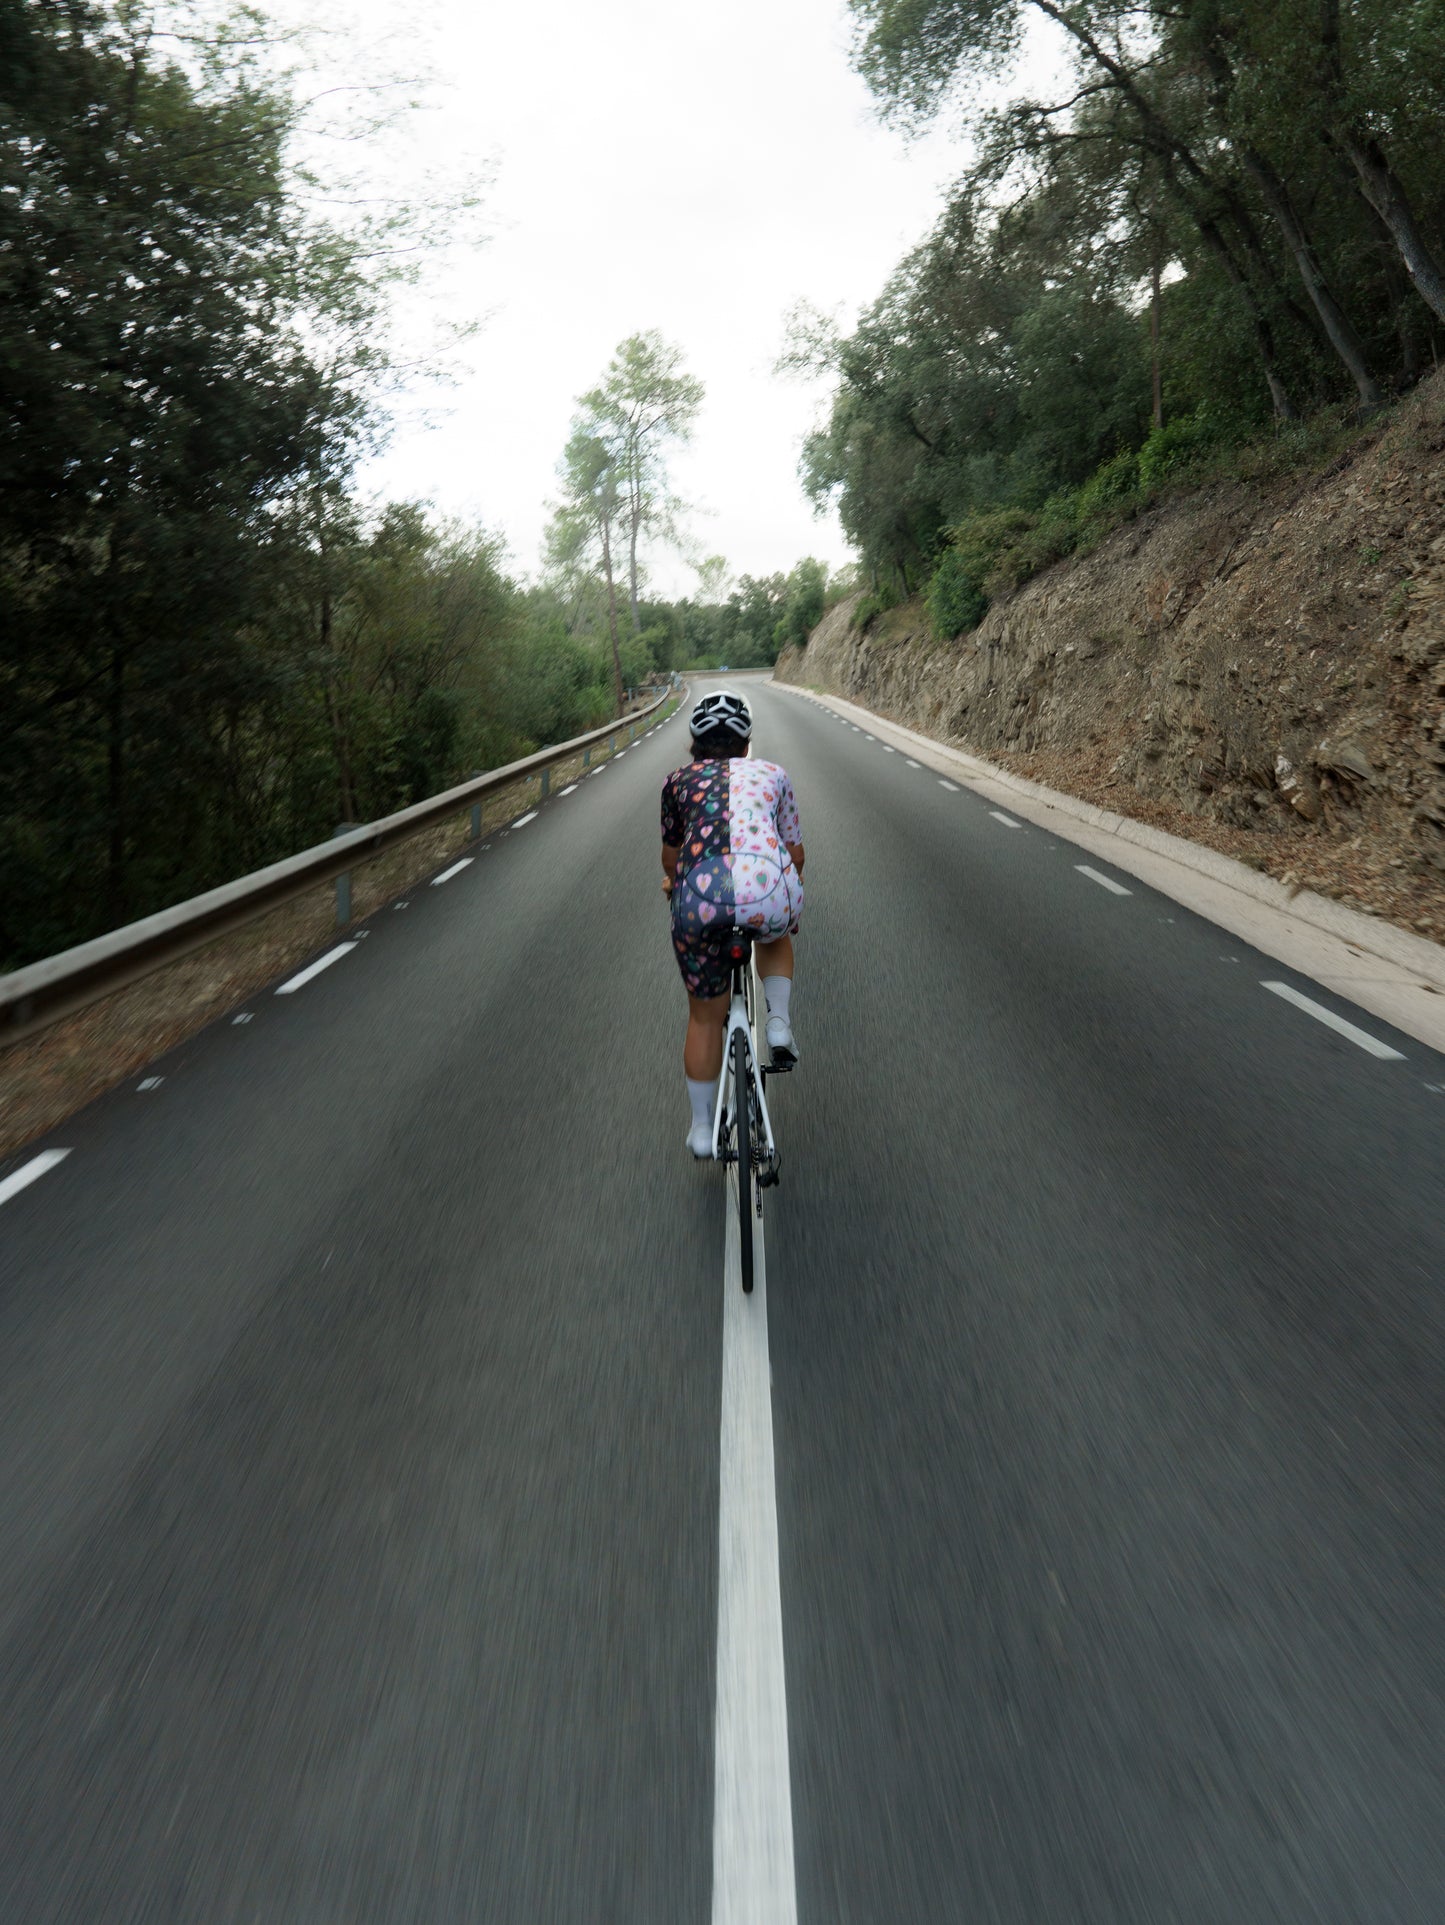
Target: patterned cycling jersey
[731, 822]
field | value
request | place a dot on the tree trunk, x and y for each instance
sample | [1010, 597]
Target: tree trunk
[115, 881]
[340, 740]
[1336, 323]
[1284, 408]
[1382, 189]
[1158, 373]
[612, 614]
[634, 524]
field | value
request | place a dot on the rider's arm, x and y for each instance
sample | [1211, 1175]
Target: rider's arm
[795, 850]
[669, 866]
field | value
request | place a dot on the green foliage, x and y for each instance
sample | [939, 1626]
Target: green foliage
[1247, 203]
[955, 599]
[209, 653]
[1178, 445]
[803, 602]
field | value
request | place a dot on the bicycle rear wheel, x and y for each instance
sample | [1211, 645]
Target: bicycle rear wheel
[743, 1117]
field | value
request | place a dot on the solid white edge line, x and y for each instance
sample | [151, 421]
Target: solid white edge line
[1328, 1017]
[753, 1877]
[522, 820]
[315, 969]
[1007, 820]
[1104, 882]
[22, 1178]
[455, 870]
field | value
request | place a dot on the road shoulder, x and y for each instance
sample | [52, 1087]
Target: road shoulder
[1373, 964]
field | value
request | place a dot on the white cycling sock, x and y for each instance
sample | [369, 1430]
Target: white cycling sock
[779, 991]
[703, 1097]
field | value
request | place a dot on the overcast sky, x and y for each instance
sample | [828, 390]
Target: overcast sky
[695, 169]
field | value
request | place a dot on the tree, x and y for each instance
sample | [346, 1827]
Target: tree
[587, 523]
[644, 407]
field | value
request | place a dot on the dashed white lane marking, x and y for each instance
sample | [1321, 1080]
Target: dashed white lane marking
[315, 969]
[151, 1082]
[753, 1881]
[455, 870]
[399, 905]
[569, 788]
[244, 1017]
[522, 820]
[1104, 882]
[888, 751]
[1337, 1023]
[911, 763]
[22, 1178]
[952, 787]
[619, 755]
[1007, 820]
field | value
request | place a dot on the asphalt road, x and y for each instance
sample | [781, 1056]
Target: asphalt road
[360, 1399]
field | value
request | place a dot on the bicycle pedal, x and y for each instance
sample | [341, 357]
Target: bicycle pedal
[782, 1066]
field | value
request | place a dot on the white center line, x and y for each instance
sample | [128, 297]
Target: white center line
[1104, 882]
[1007, 820]
[315, 969]
[952, 787]
[455, 870]
[22, 1178]
[1338, 1023]
[569, 788]
[753, 1881]
[522, 820]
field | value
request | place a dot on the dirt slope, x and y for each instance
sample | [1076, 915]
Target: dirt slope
[1259, 667]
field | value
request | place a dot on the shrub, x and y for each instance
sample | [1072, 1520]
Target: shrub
[1180, 443]
[1113, 486]
[955, 598]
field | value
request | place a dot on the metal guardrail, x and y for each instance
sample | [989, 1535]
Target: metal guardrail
[42, 992]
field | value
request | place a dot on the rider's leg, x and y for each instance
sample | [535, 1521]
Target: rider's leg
[703, 1051]
[775, 971]
[775, 958]
[702, 1064]
[775, 968]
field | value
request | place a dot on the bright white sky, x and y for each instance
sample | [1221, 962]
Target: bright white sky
[656, 164]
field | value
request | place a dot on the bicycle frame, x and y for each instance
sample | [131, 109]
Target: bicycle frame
[740, 1019]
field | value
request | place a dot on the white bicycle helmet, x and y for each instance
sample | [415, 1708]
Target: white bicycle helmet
[722, 709]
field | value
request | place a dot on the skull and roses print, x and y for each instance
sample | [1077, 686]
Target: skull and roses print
[732, 821]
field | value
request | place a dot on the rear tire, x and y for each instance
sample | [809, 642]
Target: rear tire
[742, 1117]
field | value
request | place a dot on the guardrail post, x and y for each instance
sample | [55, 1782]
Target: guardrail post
[343, 882]
[546, 782]
[587, 758]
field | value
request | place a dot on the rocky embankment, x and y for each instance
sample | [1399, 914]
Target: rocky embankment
[1259, 667]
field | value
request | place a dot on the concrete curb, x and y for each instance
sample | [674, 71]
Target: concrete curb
[1417, 955]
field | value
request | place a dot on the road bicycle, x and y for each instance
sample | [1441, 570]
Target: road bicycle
[742, 1130]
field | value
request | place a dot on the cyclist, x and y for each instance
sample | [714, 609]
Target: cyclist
[732, 857]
